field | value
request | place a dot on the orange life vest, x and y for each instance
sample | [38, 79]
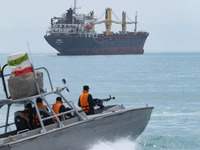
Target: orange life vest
[56, 108]
[36, 121]
[41, 105]
[84, 101]
[26, 114]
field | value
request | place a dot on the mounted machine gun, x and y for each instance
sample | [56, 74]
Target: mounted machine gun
[99, 102]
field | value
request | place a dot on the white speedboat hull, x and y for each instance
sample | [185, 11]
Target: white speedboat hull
[80, 135]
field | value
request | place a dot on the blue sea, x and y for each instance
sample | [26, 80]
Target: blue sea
[170, 82]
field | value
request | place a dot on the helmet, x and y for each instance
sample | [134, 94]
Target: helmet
[86, 87]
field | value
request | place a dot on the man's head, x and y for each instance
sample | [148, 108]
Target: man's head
[29, 105]
[39, 100]
[86, 87]
[59, 99]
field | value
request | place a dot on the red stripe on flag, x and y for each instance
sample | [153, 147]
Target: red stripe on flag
[24, 71]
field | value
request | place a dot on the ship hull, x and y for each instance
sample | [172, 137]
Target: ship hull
[101, 45]
[81, 136]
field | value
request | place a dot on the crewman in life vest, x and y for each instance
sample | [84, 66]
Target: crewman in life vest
[58, 107]
[40, 104]
[36, 122]
[28, 110]
[86, 101]
[23, 119]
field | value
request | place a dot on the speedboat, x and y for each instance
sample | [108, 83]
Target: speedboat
[76, 132]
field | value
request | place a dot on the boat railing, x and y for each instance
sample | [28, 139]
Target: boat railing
[9, 74]
[59, 32]
[40, 68]
[32, 99]
[73, 109]
[9, 124]
[41, 120]
[53, 115]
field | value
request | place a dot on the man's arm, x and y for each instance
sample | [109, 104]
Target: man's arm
[79, 104]
[91, 101]
[63, 109]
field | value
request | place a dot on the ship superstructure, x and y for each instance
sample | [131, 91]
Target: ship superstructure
[72, 24]
[74, 34]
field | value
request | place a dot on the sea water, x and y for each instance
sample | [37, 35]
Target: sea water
[170, 82]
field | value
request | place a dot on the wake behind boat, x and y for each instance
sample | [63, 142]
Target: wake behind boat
[76, 132]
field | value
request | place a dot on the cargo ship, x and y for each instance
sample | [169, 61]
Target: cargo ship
[74, 34]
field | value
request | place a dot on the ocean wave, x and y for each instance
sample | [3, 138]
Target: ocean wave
[119, 144]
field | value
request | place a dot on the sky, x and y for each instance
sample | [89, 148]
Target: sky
[174, 25]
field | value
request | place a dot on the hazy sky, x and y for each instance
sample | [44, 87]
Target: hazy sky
[174, 25]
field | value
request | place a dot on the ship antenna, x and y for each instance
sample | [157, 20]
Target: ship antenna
[75, 6]
[136, 22]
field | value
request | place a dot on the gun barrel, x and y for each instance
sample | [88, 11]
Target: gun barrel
[103, 100]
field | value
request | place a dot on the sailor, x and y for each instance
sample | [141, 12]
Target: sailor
[28, 110]
[23, 119]
[58, 107]
[86, 101]
[40, 104]
[35, 121]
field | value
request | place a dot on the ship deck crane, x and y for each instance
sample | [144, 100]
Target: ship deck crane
[108, 21]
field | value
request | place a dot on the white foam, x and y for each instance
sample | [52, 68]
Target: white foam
[119, 144]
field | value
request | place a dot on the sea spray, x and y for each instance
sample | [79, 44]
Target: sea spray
[119, 144]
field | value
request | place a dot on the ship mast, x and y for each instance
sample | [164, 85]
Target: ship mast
[75, 6]
[135, 22]
[123, 23]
